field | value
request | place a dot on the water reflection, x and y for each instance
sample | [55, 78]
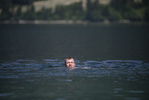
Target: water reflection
[84, 42]
[56, 67]
[48, 78]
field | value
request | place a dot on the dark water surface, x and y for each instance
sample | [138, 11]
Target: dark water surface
[83, 42]
[112, 62]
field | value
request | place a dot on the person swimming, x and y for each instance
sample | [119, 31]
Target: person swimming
[69, 62]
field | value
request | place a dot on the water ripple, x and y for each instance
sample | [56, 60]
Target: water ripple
[120, 69]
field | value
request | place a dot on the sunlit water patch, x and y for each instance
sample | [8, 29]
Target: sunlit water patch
[50, 79]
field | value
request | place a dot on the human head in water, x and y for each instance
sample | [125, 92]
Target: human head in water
[69, 62]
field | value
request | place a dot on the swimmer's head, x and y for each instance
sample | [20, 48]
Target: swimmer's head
[69, 62]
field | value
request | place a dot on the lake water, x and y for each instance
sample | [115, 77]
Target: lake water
[112, 62]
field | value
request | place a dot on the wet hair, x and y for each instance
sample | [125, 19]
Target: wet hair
[67, 58]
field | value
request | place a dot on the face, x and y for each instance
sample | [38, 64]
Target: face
[70, 63]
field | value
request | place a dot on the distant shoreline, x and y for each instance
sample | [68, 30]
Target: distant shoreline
[63, 22]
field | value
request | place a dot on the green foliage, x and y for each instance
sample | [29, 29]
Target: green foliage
[111, 13]
[117, 10]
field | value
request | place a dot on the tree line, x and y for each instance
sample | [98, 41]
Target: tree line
[95, 12]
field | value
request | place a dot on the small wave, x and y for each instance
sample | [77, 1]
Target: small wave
[119, 69]
[6, 94]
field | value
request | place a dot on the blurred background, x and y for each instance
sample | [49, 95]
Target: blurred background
[85, 10]
[109, 40]
[84, 29]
